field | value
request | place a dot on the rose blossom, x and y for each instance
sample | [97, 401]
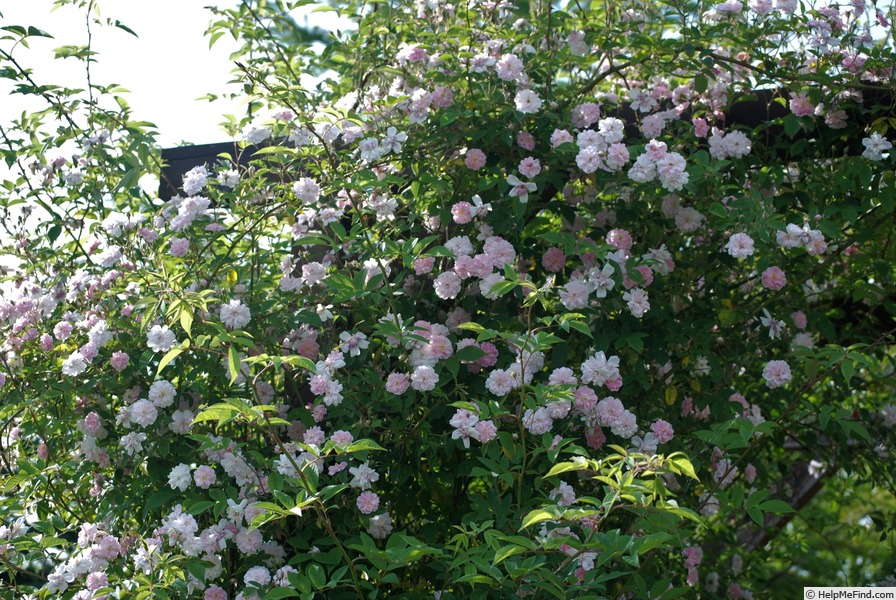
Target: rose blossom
[773, 278]
[740, 245]
[530, 167]
[776, 373]
[462, 212]
[204, 476]
[474, 159]
[368, 502]
[397, 383]
[119, 361]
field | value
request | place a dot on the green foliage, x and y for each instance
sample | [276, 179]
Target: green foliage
[271, 384]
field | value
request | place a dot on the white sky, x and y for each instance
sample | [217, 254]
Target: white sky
[166, 69]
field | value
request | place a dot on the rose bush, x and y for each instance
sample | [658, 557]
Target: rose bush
[505, 304]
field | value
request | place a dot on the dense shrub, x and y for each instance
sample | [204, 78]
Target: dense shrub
[509, 302]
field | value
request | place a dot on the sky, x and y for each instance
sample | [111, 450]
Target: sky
[165, 69]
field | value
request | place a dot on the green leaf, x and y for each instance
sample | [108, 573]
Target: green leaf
[186, 319]
[701, 83]
[200, 507]
[317, 575]
[650, 541]
[757, 516]
[537, 516]
[756, 498]
[682, 465]
[362, 445]
[169, 356]
[157, 499]
[582, 328]
[565, 467]
[300, 361]
[15, 481]
[847, 369]
[777, 507]
[124, 27]
[233, 360]
[281, 592]
[791, 125]
[271, 508]
[506, 552]
[469, 354]
[52, 542]
[34, 31]
[217, 412]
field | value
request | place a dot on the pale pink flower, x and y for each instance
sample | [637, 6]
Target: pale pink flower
[424, 265]
[562, 376]
[520, 189]
[342, 437]
[701, 127]
[637, 302]
[257, 576]
[215, 592]
[574, 295]
[585, 114]
[462, 212]
[509, 67]
[589, 160]
[560, 137]
[62, 330]
[537, 422]
[662, 431]
[525, 140]
[178, 246]
[527, 102]
[464, 423]
[776, 373]
[801, 106]
[306, 189]
[368, 502]
[179, 477]
[447, 285]
[530, 167]
[875, 146]
[424, 378]
[204, 477]
[499, 251]
[617, 156]
[397, 383]
[363, 476]
[235, 315]
[380, 526]
[486, 431]
[740, 245]
[119, 361]
[564, 495]
[474, 159]
[160, 338]
[143, 413]
[181, 422]
[553, 260]
[500, 382]
[773, 278]
[620, 239]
